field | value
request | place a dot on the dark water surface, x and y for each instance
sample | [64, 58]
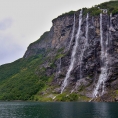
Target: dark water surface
[58, 110]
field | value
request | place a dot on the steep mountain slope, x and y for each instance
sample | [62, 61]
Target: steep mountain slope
[77, 58]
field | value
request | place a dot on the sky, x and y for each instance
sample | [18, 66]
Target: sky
[24, 21]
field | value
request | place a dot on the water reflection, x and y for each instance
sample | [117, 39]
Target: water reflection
[58, 110]
[67, 110]
[102, 110]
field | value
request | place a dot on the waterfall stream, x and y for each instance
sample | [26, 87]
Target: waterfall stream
[100, 87]
[73, 58]
[86, 44]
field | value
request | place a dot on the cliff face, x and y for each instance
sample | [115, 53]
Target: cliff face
[39, 46]
[58, 36]
[96, 54]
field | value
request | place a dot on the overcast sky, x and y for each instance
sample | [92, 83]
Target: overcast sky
[24, 21]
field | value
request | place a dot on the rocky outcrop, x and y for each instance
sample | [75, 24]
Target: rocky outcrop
[40, 46]
[58, 37]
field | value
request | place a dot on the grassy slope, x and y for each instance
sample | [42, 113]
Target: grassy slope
[18, 80]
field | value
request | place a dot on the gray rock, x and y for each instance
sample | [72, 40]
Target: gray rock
[58, 38]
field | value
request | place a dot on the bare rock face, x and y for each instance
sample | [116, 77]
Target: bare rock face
[58, 37]
[54, 44]
[39, 47]
[62, 29]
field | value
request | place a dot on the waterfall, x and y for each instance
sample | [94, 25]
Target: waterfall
[85, 46]
[73, 58]
[73, 31]
[87, 25]
[100, 87]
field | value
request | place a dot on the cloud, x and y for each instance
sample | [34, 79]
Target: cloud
[5, 23]
[9, 49]
[11, 54]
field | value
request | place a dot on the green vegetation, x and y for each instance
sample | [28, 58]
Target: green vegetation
[116, 92]
[68, 13]
[26, 78]
[65, 14]
[19, 81]
[94, 11]
[65, 97]
[71, 97]
[111, 6]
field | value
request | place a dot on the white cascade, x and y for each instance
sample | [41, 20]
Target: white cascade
[85, 45]
[100, 87]
[73, 58]
[73, 31]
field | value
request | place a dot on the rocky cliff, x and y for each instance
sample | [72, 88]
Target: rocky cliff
[95, 58]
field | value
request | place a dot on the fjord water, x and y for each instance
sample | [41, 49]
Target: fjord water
[58, 110]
